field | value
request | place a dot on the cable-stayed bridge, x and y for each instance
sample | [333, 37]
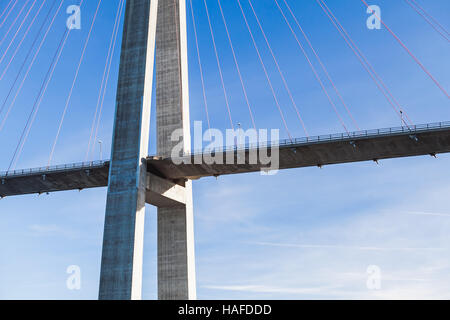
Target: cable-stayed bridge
[154, 47]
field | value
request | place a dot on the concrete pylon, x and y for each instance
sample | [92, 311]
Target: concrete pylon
[149, 24]
[121, 269]
[176, 262]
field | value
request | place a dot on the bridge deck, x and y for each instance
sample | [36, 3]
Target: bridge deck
[371, 145]
[60, 178]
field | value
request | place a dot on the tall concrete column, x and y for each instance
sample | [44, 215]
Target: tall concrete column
[176, 264]
[121, 269]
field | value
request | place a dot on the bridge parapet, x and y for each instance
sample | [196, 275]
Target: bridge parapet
[54, 169]
[354, 135]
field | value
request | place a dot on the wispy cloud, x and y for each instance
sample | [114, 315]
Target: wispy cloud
[429, 214]
[48, 230]
[268, 289]
[329, 259]
[321, 246]
[45, 229]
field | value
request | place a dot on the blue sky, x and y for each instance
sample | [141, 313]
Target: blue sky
[304, 233]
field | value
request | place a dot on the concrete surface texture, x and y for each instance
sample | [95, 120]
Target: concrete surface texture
[122, 255]
[176, 262]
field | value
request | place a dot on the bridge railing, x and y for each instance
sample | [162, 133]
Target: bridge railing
[330, 137]
[52, 169]
[285, 142]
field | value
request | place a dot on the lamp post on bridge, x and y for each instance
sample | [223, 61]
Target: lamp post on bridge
[100, 142]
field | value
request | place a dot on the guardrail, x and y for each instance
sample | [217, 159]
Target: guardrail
[286, 142]
[52, 169]
[332, 137]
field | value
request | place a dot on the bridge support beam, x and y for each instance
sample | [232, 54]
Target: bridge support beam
[176, 264]
[164, 193]
[121, 268]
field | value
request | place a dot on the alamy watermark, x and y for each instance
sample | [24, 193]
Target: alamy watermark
[252, 147]
[74, 19]
[374, 20]
[73, 282]
[374, 277]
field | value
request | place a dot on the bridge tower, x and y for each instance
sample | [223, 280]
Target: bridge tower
[154, 36]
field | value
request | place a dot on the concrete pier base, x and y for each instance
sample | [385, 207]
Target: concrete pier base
[176, 265]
